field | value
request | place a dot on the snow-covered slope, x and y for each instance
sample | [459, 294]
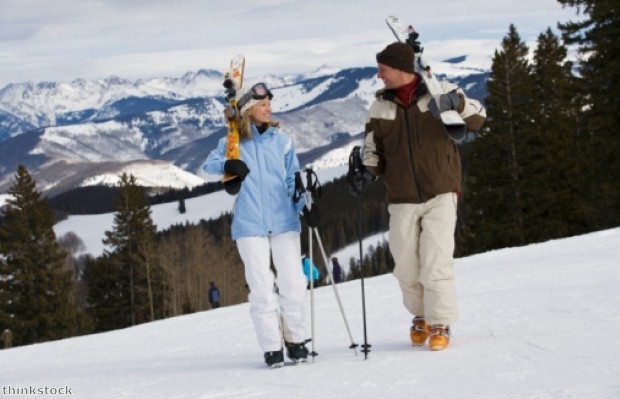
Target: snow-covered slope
[536, 322]
[149, 174]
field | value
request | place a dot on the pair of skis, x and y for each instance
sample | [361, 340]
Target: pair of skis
[233, 81]
[451, 119]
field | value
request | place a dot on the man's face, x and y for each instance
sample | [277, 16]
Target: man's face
[392, 77]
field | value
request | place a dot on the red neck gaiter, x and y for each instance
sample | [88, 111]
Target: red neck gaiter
[406, 93]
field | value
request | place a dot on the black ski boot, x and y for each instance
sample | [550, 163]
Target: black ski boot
[274, 359]
[297, 352]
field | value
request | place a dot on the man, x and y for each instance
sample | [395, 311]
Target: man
[407, 144]
[214, 295]
[337, 271]
[7, 338]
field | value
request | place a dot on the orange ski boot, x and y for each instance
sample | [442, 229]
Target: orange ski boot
[440, 337]
[419, 331]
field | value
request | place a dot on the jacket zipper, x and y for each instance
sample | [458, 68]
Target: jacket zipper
[411, 159]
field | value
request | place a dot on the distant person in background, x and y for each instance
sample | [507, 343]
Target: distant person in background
[7, 338]
[308, 268]
[214, 295]
[337, 271]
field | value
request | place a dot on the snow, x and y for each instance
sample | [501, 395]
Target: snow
[296, 96]
[536, 322]
[4, 198]
[149, 174]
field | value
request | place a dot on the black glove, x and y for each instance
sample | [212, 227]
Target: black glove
[358, 176]
[312, 215]
[236, 167]
[443, 102]
[233, 186]
[359, 181]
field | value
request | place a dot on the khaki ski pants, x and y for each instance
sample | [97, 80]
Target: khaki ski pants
[421, 240]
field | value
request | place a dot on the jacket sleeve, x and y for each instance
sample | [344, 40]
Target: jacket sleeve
[472, 111]
[214, 164]
[371, 156]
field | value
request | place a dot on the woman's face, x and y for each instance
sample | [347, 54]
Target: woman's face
[260, 113]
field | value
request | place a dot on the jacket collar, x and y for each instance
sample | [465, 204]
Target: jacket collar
[390, 94]
[256, 135]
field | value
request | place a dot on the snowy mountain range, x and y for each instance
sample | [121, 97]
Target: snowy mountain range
[83, 132]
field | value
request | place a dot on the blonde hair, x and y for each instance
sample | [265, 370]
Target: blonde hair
[245, 125]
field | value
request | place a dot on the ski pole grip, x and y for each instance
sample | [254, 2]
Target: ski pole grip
[299, 184]
[309, 178]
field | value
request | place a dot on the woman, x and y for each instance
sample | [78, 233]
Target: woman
[266, 226]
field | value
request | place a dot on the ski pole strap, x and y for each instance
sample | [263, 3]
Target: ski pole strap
[312, 183]
[299, 188]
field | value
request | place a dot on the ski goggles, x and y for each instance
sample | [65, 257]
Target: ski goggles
[257, 92]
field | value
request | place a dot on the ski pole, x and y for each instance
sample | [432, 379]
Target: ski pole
[344, 317]
[314, 188]
[356, 169]
[366, 346]
[299, 188]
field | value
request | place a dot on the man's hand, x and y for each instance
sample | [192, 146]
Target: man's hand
[358, 176]
[443, 102]
[357, 183]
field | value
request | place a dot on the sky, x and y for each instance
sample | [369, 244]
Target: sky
[61, 40]
[536, 322]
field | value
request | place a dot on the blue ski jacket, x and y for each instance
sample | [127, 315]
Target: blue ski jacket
[264, 205]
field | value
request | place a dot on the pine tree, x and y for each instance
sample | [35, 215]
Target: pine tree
[495, 187]
[107, 301]
[35, 289]
[598, 39]
[555, 199]
[127, 283]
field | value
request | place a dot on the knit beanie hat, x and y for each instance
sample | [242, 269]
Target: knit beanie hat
[250, 95]
[249, 103]
[397, 55]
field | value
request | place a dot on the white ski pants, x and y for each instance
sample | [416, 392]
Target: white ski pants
[421, 240]
[268, 307]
